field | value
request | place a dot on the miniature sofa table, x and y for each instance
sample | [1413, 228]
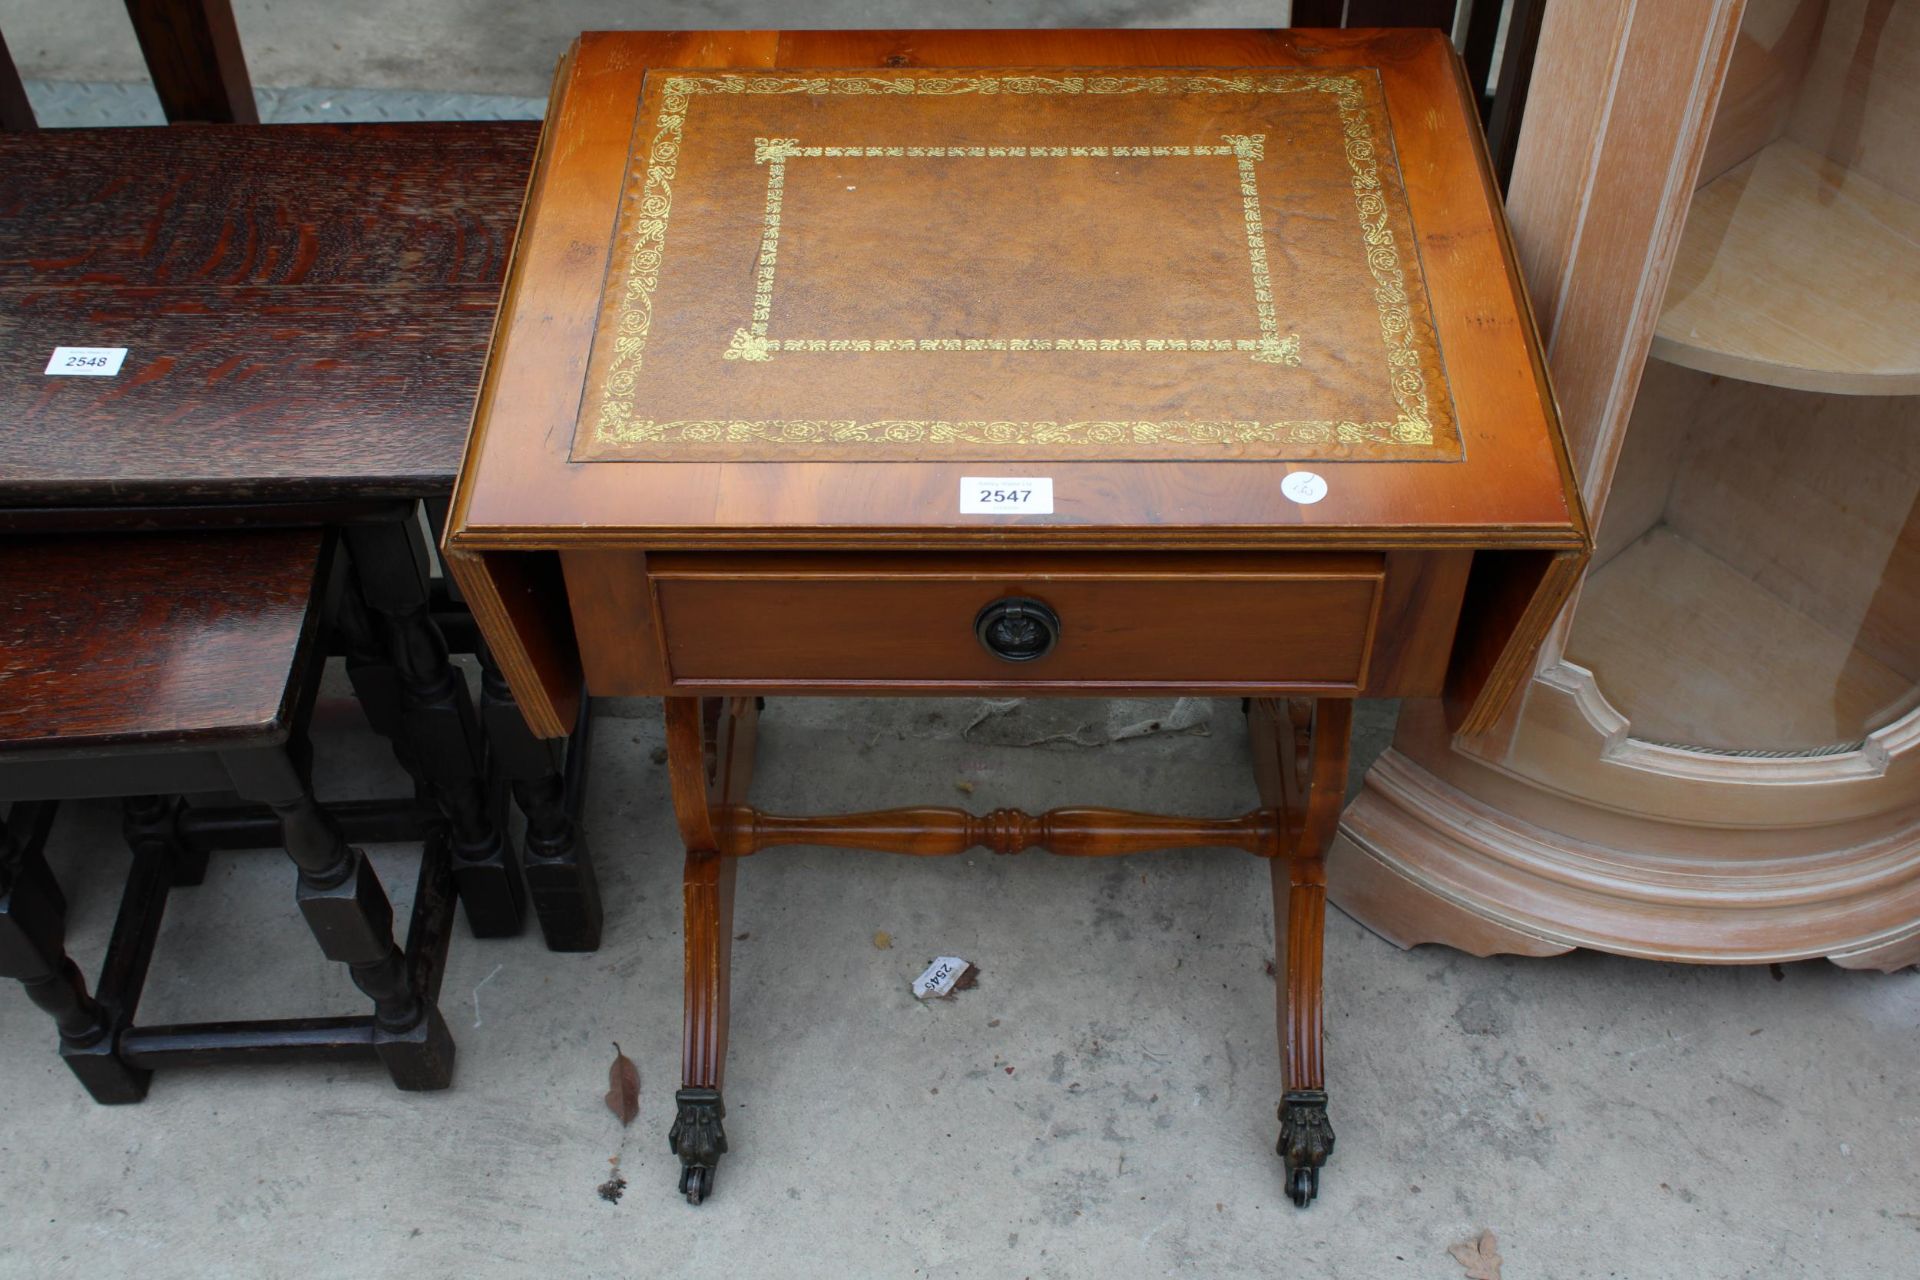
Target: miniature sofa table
[1031, 363]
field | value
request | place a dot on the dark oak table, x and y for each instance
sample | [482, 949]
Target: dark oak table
[305, 312]
[212, 694]
[1030, 363]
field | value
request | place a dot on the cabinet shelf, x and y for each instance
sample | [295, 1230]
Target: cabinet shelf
[1796, 272]
[1693, 651]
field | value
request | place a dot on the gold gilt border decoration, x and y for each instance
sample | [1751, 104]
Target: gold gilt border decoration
[916, 431]
[617, 425]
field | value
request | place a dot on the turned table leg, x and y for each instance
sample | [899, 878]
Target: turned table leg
[389, 564]
[1300, 756]
[710, 758]
[33, 929]
[376, 683]
[559, 866]
[347, 909]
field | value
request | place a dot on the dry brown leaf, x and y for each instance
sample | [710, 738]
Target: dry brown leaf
[967, 981]
[623, 1087]
[883, 940]
[1478, 1257]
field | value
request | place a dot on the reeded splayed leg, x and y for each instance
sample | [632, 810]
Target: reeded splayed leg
[698, 1136]
[710, 758]
[1300, 754]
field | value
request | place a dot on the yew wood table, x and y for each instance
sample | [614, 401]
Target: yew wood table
[1025, 363]
[302, 313]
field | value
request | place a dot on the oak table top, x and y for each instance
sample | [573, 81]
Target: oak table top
[300, 325]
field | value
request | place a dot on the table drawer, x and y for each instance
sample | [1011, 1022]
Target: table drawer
[882, 620]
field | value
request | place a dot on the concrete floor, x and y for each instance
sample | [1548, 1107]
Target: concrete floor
[1101, 1105]
[504, 47]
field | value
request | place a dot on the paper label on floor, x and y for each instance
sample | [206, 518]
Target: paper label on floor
[85, 362]
[939, 978]
[1006, 495]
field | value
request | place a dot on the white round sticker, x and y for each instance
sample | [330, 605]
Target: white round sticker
[1304, 487]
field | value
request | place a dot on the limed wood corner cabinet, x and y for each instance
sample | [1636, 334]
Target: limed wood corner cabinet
[1716, 759]
[1014, 363]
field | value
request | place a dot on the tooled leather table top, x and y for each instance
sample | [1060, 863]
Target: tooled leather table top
[1060, 264]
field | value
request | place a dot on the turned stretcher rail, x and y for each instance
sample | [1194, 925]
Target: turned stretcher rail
[936, 832]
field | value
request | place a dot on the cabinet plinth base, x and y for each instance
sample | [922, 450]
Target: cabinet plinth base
[1425, 859]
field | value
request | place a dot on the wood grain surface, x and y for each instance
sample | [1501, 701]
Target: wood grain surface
[116, 640]
[905, 623]
[523, 497]
[306, 308]
[866, 620]
[1796, 272]
[938, 831]
[522, 489]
